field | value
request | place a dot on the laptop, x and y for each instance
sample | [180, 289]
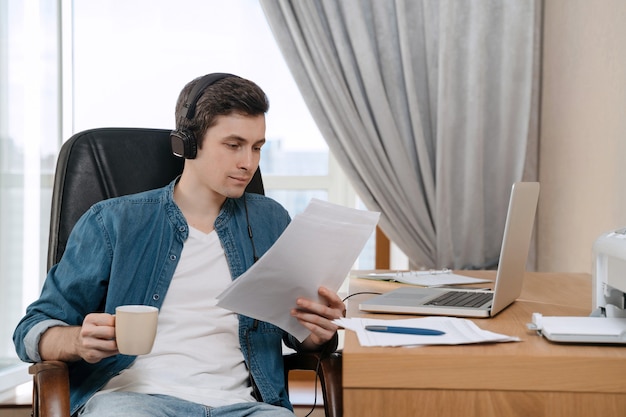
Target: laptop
[473, 302]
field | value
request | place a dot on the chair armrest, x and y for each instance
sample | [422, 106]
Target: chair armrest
[51, 389]
[329, 370]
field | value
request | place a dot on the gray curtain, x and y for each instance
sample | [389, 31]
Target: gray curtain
[430, 107]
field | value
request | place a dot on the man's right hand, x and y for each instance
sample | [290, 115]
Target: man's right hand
[92, 342]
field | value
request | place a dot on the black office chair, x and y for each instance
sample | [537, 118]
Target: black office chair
[102, 163]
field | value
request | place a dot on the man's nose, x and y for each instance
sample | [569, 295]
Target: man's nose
[247, 159]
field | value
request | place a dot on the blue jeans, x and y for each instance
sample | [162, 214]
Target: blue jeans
[131, 404]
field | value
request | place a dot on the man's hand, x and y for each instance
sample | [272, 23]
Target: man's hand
[93, 341]
[318, 317]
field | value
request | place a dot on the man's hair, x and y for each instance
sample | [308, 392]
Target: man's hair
[226, 96]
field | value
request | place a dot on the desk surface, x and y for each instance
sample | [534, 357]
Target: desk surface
[526, 370]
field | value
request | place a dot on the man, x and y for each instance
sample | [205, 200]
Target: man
[177, 248]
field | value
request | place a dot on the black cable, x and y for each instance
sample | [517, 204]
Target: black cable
[245, 206]
[317, 373]
[322, 353]
[362, 293]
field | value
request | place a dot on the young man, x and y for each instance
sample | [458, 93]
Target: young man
[177, 248]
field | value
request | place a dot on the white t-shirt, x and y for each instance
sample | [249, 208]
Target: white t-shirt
[196, 354]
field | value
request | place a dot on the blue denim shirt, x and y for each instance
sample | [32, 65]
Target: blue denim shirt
[124, 251]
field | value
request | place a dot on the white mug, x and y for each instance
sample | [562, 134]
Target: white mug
[135, 328]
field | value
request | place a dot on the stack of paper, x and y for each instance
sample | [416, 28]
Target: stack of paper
[580, 329]
[456, 332]
[318, 248]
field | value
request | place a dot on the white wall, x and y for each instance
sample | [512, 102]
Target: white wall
[582, 162]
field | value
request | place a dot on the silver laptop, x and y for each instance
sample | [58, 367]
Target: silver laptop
[475, 303]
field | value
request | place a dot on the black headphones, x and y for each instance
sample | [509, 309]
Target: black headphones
[184, 143]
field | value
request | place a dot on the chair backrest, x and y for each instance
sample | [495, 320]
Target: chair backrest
[110, 162]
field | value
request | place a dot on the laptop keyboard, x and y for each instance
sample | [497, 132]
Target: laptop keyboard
[461, 299]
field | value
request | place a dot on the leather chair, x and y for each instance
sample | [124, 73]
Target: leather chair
[102, 163]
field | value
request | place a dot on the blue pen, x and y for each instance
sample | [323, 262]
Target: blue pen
[405, 330]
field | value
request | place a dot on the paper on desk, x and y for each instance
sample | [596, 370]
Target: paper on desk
[438, 278]
[318, 248]
[457, 332]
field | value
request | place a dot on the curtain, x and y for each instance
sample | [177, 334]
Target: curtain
[429, 106]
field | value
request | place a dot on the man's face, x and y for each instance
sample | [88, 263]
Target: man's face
[230, 154]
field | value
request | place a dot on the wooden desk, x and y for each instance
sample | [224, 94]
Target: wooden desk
[532, 378]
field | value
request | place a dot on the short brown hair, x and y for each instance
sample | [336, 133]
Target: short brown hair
[228, 95]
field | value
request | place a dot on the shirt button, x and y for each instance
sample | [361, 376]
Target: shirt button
[172, 257]
[182, 229]
[155, 297]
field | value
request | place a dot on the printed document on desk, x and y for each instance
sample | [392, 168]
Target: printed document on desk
[318, 248]
[430, 278]
[457, 332]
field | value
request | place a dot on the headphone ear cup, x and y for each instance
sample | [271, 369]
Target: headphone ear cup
[184, 144]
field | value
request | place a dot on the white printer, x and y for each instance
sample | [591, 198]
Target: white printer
[607, 322]
[609, 274]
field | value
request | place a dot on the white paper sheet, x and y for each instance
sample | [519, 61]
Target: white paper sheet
[457, 331]
[318, 248]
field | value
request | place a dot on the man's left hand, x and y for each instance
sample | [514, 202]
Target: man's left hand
[318, 316]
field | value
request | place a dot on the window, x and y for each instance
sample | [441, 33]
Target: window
[29, 126]
[123, 64]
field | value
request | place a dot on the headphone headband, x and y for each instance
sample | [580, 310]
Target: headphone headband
[199, 88]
